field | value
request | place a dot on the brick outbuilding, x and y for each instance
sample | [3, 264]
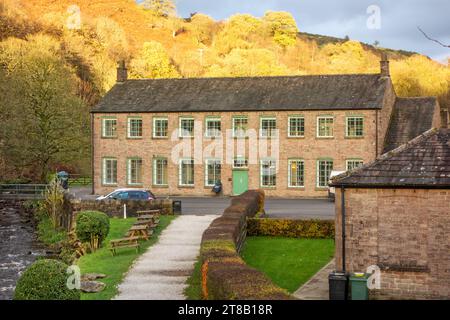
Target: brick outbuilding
[395, 213]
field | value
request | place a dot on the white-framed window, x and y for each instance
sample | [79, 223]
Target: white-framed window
[268, 173]
[134, 128]
[213, 127]
[240, 126]
[296, 173]
[240, 163]
[268, 127]
[353, 164]
[324, 168]
[296, 127]
[134, 171]
[186, 172]
[109, 171]
[160, 171]
[325, 127]
[109, 128]
[186, 128]
[160, 127]
[213, 171]
[354, 127]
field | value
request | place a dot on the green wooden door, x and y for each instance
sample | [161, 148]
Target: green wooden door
[240, 182]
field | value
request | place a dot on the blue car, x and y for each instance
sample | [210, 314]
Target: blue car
[129, 194]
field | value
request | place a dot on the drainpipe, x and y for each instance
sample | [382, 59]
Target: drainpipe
[343, 227]
[92, 153]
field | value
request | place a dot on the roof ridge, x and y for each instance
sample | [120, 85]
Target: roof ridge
[261, 77]
[388, 155]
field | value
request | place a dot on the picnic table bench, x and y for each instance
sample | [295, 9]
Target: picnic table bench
[145, 214]
[129, 242]
[140, 231]
[149, 223]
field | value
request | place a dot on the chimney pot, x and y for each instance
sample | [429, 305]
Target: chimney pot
[122, 72]
[384, 65]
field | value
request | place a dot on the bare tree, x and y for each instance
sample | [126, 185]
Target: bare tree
[434, 40]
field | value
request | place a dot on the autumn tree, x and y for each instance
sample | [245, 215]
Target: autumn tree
[248, 62]
[282, 27]
[153, 62]
[202, 28]
[239, 31]
[160, 8]
[47, 123]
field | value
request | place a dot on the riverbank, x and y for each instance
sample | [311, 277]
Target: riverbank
[20, 246]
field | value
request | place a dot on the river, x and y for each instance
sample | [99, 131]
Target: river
[19, 246]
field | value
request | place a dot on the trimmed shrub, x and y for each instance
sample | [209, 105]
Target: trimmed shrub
[309, 229]
[224, 274]
[92, 227]
[45, 280]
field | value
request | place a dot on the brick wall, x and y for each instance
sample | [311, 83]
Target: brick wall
[385, 115]
[310, 149]
[406, 232]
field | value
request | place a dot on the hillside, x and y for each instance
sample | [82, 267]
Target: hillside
[35, 37]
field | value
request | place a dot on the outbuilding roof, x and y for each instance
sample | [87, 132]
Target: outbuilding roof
[321, 92]
[410, 118]
[423, 162]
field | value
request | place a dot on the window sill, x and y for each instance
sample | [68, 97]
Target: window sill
[135, 138]
[109, 138]
[160, 138]
[299, 137]
[109, 185]
[355, 137]
[296, 188]
[324, 138]
[186, 187]
[190, 137]
[157, 186]
[269, 188]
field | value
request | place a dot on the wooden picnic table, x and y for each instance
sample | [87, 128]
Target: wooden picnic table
[157, 211]
[149, 223]
[140, 231]
[145, 217]
[129, 242]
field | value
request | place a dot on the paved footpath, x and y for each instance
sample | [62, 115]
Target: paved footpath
[162, 271]
[317, 287]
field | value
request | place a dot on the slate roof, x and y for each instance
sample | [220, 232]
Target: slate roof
[410, 118]
[323, 92]
[424, 162]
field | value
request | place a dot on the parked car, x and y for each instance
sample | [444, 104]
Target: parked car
[332, 190]
[129, 194]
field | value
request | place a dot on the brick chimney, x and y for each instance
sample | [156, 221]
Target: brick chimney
[122, 72]
[384, 65]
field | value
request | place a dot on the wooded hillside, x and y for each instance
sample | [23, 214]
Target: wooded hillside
[60, 68]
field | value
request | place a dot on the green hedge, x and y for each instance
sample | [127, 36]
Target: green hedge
[45, 280]
[309, 229]
[225, 276]
[92, 227]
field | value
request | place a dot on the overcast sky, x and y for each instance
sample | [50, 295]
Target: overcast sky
[399, 19]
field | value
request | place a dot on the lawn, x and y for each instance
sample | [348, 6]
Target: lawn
[115, 267]
[288, 262]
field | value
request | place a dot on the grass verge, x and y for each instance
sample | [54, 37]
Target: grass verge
[47, 233]
[115, 267]
[194, 289]
[289, 262]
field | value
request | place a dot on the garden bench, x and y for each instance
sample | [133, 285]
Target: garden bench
[149, 223]
[129, 242]
[140, 231]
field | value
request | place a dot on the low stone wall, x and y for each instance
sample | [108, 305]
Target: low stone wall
[113, 208]
[225, 276]
[306, 229]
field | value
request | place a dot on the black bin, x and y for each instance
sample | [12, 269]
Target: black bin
[176, 205]
[338, 284]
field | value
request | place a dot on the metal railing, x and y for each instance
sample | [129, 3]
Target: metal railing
[79, 180]
[22, 191]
